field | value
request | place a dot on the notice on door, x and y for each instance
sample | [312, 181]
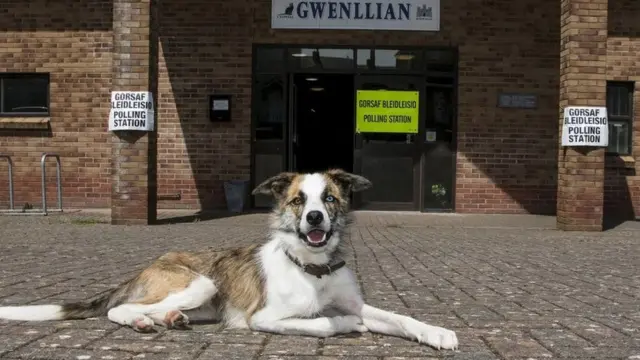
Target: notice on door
[382, 111]
[585, 126]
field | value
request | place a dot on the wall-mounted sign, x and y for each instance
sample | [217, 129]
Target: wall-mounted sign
[382, 111]
[416, 15]
[518, 101]
[220, 108]
[585, 126]
[131, 110]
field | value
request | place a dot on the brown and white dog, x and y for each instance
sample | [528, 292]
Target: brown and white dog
[295, 283]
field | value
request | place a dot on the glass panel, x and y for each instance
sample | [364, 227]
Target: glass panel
[439, 115]
[438, 182]
[389, 172]
[446, 80]
[266, 166]
[440, 60]
[619, 137]
[270, 59]
[364, 59]
[618, 98]
[399, 59]
[307, 58]
[25, 95]
[270, 109]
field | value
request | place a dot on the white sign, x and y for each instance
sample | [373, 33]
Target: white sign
[219, 105]
[131, 110]
[416, 15]
[585, 126]
[431, 136]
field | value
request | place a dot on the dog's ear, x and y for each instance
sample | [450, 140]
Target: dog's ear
[276, 185]
[349, 182]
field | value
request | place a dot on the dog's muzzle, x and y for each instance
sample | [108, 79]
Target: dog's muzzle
[316, 237]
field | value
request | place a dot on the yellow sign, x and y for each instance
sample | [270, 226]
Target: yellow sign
[382, 111]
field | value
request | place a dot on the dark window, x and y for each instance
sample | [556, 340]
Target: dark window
[620, 113]
[24, 94]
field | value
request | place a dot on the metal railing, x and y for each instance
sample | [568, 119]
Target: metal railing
[58, 183]
[10, 164]
[43, 167]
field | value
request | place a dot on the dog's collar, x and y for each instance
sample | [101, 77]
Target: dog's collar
[316, 270]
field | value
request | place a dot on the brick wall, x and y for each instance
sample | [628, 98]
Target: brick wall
[506, 156]
[506, 160]
[622, 183]
[75, 47]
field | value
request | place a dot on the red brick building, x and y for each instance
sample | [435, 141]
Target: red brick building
[493, 80]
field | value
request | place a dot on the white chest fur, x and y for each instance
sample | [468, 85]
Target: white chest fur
[291, 292]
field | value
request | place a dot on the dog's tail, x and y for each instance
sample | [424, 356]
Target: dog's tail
[67, 311]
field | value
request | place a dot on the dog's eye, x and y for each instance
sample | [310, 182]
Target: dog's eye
[329, 198]
[297, 201]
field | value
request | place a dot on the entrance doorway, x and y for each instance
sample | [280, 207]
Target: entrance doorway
[303, 119]
[323, 122]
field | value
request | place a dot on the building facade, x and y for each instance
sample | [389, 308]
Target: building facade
[492, 81]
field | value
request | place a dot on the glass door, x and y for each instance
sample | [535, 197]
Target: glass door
[439, 140]
[390, 160]
[269, 140]
[438, 149]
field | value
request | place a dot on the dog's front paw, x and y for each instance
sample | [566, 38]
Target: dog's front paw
[351, 323]
[437, 337]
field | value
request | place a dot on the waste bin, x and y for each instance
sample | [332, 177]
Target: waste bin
[235, 194]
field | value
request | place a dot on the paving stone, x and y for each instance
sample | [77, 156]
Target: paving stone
[126, 333]
[376, 350]
[515, 348]
[47, 353]
[594, 352]
[281, 357]
[281, 345]
[522, 291]
[230, 351]
[141, 346]
[367, 338]
[71, 338]
[13, 341]
[596, 333]
[553, 338]
[211, 337]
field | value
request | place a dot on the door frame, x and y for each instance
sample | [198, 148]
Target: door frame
[286, 70]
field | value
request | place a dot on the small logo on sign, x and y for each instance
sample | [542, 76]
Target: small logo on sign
[288, 12]
[424, 12]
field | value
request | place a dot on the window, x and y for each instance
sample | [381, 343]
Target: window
[24, 94]
[620, 113]
[308, 58]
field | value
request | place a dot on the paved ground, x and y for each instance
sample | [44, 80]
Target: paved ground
[512, 287]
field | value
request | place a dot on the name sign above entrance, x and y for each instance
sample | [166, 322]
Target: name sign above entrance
[415, 15]
[381, 111]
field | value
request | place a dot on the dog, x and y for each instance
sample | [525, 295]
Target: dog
[295, 283]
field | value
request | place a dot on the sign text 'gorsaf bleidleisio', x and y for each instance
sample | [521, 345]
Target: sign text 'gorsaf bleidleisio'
[387, 111]
[416, 15]
[131, 110]
[585, 126]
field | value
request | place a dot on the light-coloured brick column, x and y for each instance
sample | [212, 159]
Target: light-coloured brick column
[134, 182]
[582, 83]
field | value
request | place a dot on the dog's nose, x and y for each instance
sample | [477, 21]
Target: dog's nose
[314, 217]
